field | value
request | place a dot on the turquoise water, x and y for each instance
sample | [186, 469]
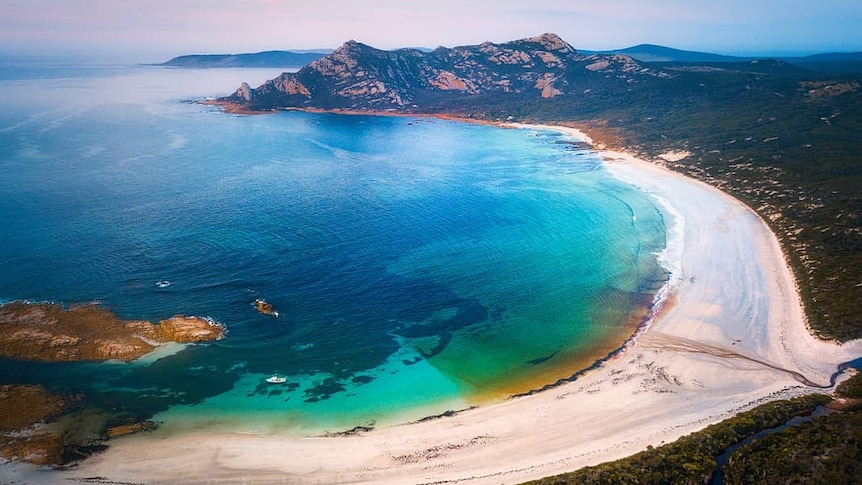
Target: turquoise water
[417, 265]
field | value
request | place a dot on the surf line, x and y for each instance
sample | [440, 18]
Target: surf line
[661, 341]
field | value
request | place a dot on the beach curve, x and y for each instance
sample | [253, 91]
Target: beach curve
[734, 291]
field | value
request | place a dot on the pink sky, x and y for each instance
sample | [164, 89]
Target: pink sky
[174, 27]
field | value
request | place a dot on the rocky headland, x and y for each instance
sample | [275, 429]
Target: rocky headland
[48, 332]
[359, 77]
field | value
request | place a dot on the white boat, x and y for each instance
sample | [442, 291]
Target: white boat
[276, 380]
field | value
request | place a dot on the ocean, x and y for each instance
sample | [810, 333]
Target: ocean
[417, 265]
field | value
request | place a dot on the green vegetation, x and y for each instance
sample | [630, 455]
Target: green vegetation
[691, 459]
[824, 450]
[851, 388]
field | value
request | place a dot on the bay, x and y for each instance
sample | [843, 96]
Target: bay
[418, 265]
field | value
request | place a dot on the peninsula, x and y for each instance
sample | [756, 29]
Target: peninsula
[285, 59]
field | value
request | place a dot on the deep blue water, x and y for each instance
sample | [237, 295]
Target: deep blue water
[415, 263]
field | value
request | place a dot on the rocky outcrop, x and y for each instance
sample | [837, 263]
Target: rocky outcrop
[243, 92]
[37, 448]
[359, 77]
[22, 406]
[131, 428]
[22, 409]
[50, 333]
[39, 427]
[265, 307]
[178, 328]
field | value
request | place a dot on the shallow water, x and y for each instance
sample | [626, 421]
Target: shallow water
[417, 265]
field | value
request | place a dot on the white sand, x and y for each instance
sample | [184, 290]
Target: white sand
[733, 292]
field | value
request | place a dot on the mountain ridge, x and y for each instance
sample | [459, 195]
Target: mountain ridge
[651, 53]
[358, 76]
[835, 62]
[659, 53]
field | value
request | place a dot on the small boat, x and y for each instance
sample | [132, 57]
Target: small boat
[163, 283]
[276, 380]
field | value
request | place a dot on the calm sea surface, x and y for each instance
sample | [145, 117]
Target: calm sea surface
[417, 265]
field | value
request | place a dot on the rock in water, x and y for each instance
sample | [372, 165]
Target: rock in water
[48, 332]
[264, 307]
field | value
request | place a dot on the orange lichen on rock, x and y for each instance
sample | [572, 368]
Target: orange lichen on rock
[265, 307]
[124, 429]
[38, 449]
[48, 332]
[22, 407]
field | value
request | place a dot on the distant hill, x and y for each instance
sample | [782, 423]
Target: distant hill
[258, 59]
[658, 53]
[835, 62]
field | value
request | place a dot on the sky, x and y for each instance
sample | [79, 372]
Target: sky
[165, 28]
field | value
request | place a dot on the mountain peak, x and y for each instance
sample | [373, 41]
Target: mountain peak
[349, 45]
[551, 42]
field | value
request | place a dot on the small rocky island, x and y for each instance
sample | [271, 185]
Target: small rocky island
[265, 307]
[48, 332]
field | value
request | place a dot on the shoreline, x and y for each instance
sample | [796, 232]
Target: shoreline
[649, 393]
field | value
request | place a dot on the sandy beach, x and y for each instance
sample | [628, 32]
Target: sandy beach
[730, 335]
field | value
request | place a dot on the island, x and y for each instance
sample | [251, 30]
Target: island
[264, 307]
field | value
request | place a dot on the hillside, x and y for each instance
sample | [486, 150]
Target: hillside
[357, 76]
[835, 62]
[783, 139]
